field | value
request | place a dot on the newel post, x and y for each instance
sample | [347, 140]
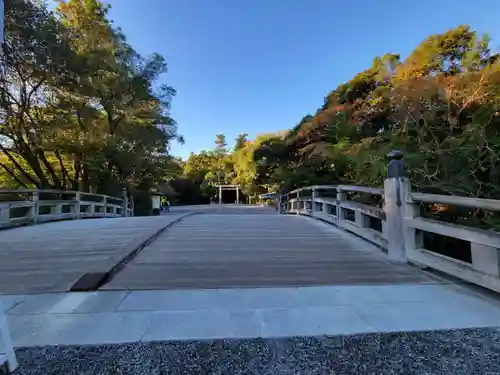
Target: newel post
[396, 187]
[125, 202]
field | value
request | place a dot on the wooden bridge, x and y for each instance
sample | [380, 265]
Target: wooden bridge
[321, 264]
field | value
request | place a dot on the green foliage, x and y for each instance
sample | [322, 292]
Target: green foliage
[202, 171]
[80, 108]
[220, 143]
[241, 140]
[439, 106]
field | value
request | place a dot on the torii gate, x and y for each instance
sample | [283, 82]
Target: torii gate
[229, 187]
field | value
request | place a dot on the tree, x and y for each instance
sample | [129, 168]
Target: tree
[80, 107]
[36, 59]
[220, 143]
[439, 106]
[453, 52]
[240, 141]
[211, 167]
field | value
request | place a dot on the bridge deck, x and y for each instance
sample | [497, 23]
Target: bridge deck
[252, 250]
[215, 248]
[52, 257]
[202, 271]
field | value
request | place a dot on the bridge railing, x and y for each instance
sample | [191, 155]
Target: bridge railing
[330, 203]
[396, 225]
[31, 206]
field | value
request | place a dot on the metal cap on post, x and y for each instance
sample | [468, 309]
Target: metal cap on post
[396, 165]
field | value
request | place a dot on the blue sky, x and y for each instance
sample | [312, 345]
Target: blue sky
[258, 66]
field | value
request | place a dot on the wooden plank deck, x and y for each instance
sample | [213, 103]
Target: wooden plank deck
[51, 257]
[254, 250]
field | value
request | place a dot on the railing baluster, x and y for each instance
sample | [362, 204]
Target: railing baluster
[4, 213]
[414, 239]
[341, 196]
[77, 206]
[486, 259]
[125, 202]
[34, 211]
[105, 202]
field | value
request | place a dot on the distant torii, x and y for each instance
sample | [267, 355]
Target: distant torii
[229, 187]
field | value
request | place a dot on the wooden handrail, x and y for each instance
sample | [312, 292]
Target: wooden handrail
[401, 228]
[348, 188]
[453, 200]
[34, 210]
[52, 191]
[361, 189]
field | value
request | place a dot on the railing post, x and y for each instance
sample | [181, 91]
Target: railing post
[341, 196]
[4, 213]
[6, 341]
[77, 205]
[361, 220]
[314, 195]
[35, 196]
[125, 202]
[396, 187]
[105, 201]
[414, 239]
[299, 202]
[58, 207]
[486, 259]
[132, 208]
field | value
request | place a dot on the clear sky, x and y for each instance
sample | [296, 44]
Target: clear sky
[257, 66]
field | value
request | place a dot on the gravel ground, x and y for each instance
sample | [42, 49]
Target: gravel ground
[467, 352]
